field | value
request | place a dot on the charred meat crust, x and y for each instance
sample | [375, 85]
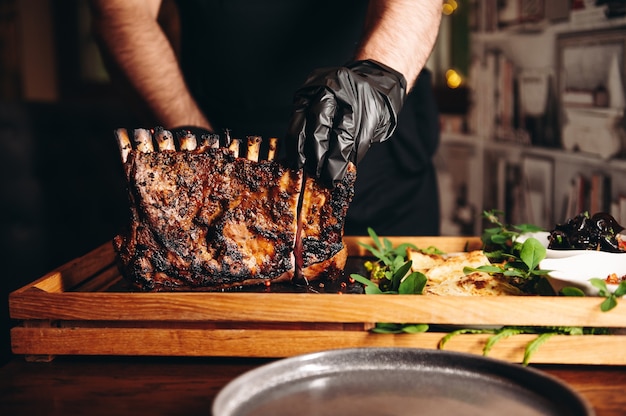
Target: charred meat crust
[322, 218]
[201, 219]
[206, 219]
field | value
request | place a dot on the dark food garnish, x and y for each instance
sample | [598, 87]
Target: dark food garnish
[582, 232]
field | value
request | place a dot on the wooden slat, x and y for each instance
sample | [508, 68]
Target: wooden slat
[72, 310]
[75, 271]
[285, 307]
[100, 263]
[100, 282]
[593, 349]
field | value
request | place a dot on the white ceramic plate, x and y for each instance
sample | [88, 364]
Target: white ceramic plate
[396, 381]
[576, 270]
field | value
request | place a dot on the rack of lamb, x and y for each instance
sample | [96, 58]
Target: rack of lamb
[207, 214]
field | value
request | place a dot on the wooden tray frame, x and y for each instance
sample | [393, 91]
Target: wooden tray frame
[70, 312]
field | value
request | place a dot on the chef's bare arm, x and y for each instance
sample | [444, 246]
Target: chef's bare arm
[401, 34]
[132, 38]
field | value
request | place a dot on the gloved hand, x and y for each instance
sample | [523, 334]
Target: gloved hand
[339, 113]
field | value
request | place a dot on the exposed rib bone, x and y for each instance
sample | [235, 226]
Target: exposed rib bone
[209, 141]
[234, 147]
[214, 141]
[254, 147]
[203, 143]
[123, 141]
[164, 139]
[271, 153]
[143, 141]
[187, 140]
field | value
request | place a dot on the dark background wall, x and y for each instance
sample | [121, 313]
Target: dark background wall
[62, 192]
[61, 186]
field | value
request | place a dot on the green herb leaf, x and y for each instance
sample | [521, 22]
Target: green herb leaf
[500, 334]
[389, 328]
[386, 328]
[402, 249]
[413, 284]
[532, 253]
[377, 253]
[371, 288]
[515, 273]
[609, 303]
[485, 269]
[539, 272]
[527, 228]
[399, 274]
[374, 237]
[387, 244]
[430, 250]
[600, 284]
[621, 289]
[443, 341]
[500, 238]
[534, 345]
[574, 330]
[572, 291]
[415, 329]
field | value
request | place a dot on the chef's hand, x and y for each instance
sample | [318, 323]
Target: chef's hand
[339, 113]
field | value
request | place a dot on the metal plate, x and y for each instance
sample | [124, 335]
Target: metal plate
[396, 381]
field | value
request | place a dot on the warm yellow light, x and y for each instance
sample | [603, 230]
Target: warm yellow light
[449, 6]
[453, 78]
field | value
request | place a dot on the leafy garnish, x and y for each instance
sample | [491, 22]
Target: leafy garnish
[391, 274]
[386, 328]
[443, 341]
[534, 345]
[519, 261]
[500, 241]
[544, 333]
[610, 300]
[430, 250]
[383, 249]
[521, 266]
[371, 288]
[412, 284]
[499, 335]
[572, 291]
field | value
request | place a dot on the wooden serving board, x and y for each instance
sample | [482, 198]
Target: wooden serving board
[78, 310]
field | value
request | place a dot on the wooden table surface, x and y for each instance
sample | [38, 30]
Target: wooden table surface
[188, 386]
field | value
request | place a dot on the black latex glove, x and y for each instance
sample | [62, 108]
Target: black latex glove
[339, 113]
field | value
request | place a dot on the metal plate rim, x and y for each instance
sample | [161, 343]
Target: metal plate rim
[234, 395]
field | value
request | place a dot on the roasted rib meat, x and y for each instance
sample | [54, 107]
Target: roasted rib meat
[203, 218]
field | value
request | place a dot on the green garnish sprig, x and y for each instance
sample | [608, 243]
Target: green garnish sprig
[543, 334]
[521, 265]
[500, 241]
[610, 298]
[390, 275]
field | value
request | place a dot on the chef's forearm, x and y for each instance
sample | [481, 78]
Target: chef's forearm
[401, 34]
[134, 40]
